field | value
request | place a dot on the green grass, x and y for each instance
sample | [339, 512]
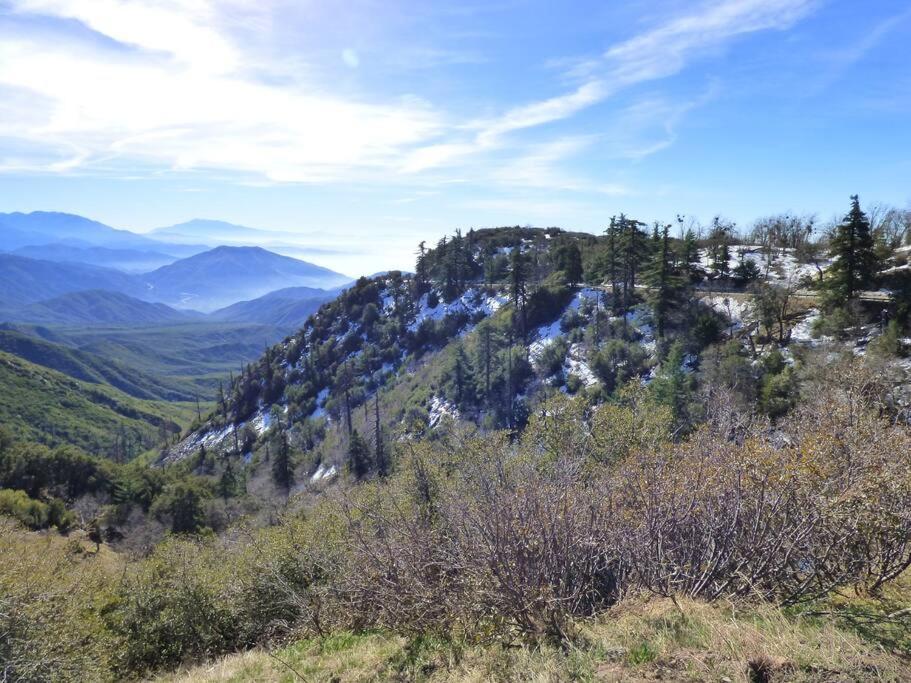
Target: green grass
[640, 640]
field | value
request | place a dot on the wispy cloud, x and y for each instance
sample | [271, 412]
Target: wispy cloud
[654, 54]
[183, 91]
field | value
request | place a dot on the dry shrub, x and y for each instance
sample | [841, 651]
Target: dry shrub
[521, 539]
[501, 548]
[829, 506]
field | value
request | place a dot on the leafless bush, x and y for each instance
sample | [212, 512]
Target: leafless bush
[828, 507]
[507, 550]
[485, 538]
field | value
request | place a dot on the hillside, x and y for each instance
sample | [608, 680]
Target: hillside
[91, 368]
[401, 334]
[45, 406]
[25, 280]
[225, 275]
[190, 357]
[127, 260]
[287, 308]
[608, 454]
[100, 307]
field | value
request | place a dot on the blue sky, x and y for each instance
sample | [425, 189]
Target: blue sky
[367, 127]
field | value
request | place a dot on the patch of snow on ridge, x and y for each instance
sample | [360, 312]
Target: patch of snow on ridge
[261, 421]
[440, 408]
[577, 365]
[472, 302]
[321, 397]
[802, 332]
[735, 310]
[546, 334]
[323, 472]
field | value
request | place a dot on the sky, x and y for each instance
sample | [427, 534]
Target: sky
[366, 126]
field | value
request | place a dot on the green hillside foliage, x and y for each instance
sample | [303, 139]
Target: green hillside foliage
[88, 367]
[191, 358]
[540, 544]
[45, 406]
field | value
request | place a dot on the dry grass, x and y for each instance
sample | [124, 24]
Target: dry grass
[638, 641]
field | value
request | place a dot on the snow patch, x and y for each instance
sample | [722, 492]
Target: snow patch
[323, 472]
[441, 408]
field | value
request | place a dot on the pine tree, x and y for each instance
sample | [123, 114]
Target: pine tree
[358, 456]
[672, 386]
[518, 288]
[853, 255]
[421, 270]
[612, 260]
[663, 280]
[282, 468]
[719, 250]
[689, 254]
[569, 260]
[486, 352]
[634, 249]
[227, 483]
[382, 459]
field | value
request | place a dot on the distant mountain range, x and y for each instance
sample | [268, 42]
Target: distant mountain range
[216, 232]
[39, 228]
[225, 275]
[286, 308]
[26, 280]
[49, 255]
[101, 307]
[127, 260]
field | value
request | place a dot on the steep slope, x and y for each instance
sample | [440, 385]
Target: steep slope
[225, 275]
[100, 307]
[38, 404]
[90, 368]
[192, 357]
[25, 280]
[127, 260]
[287, 308]
[490, 324]
[401, 335]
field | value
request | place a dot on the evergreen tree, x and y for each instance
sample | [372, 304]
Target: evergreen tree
[487, 348]
[518, 288]
[421, 270]
[634, 249]
[689, 254]
[664, 282]
[227, 483]
[568, 259]
[672, 386]
[358, 456]
[381, 457]
[719, 247]
[282, 468]
[854, 259]
[612, 262]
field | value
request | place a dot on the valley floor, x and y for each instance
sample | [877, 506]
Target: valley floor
[846, 639]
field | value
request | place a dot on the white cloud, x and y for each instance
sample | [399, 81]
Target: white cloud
[175, 88]
[654, 54]
[187, 104]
